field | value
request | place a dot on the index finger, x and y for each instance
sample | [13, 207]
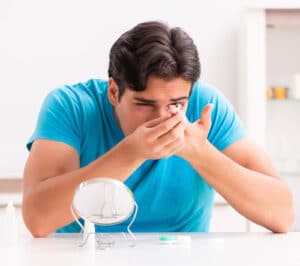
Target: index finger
[165, 126]
[156, 121]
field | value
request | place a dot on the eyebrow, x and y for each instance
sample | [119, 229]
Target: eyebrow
[154, 101]
[179, 98]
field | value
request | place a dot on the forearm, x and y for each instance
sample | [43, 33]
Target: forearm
[46, 205]
[261, 198]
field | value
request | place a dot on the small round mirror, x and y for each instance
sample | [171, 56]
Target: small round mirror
[103, 201]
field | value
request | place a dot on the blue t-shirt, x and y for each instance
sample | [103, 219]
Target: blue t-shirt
[171, 195]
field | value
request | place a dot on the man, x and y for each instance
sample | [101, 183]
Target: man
[152, 125]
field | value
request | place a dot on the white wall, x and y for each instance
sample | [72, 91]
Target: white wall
[282, 123]
[47, 43]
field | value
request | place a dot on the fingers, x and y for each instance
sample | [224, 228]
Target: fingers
[164, 136]
[156, 121]
[174, 135]
[205, 119]
[172, 148]
[165, 126]
[170, 143]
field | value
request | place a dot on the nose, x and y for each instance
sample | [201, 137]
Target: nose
[162, 111]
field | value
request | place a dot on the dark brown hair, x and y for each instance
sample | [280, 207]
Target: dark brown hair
[152, 48]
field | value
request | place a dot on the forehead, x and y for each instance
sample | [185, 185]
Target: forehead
[159, 89]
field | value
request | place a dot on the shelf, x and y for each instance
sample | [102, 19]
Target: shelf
[283, 17]
[287, 100]
[10, 185]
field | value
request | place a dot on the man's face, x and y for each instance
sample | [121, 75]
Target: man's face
[138, 107]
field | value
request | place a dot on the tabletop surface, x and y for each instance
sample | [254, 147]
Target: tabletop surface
[202, 249]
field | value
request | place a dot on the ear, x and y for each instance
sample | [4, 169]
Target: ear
[113, 92]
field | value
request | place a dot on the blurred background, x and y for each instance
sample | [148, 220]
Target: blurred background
[248, 49]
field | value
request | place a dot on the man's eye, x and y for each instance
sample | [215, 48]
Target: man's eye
[178, 106]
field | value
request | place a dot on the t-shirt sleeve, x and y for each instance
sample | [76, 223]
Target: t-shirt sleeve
[227, 127]
[58, 120]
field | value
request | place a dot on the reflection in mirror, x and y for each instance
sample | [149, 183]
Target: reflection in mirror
[103, 201]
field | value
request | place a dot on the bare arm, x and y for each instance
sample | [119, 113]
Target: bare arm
[51, 176]
[53, 171]
[243, 174]
[247, 179]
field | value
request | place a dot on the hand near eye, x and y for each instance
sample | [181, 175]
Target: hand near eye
[195, 134]
[158, 138]
[174, 134]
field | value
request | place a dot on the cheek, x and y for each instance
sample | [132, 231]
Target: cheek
[143, 114]
[132, 118]
[138, 118]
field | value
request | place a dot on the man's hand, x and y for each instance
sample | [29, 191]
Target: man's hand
[195, 137]
[158, 138]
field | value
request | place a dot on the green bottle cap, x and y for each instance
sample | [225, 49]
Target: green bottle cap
[167, 238]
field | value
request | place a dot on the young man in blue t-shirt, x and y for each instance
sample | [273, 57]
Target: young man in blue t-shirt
[170, 138]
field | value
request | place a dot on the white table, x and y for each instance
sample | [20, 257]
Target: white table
[205, 249]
